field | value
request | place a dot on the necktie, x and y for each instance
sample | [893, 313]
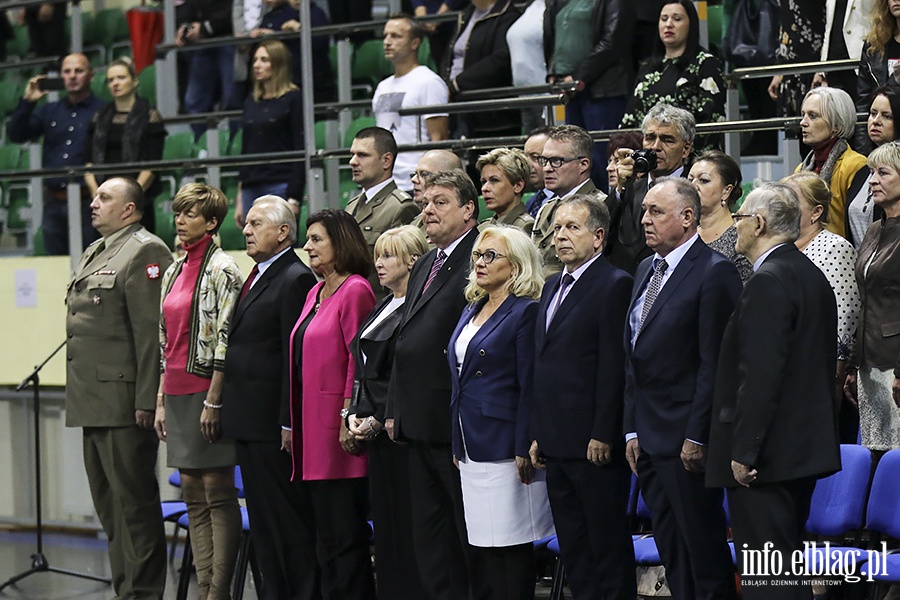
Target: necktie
[253, 273]
[100, 247]
[438, 263]
[653, 289]
[567, 280]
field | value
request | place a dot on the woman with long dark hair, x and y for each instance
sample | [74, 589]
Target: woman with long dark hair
[328, 459]
[681, 72]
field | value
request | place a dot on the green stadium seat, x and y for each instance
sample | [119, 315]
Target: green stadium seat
[20, 45]
[99, 87]
[369, 65]
[11, 91]
[110, 26]
[147, 84]
[356, 125]
[18, 208]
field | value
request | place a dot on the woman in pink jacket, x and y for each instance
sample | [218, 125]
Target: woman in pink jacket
[328, 464]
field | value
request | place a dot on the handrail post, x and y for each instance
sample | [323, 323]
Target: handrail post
[315, 184]
[344, 83]
[733, 113]
[166, 68]
[73, 197]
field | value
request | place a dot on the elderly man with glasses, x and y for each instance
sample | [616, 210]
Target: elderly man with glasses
[566, 161]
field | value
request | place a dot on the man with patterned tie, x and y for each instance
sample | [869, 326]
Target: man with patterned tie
[566, 163]
[112, 376]
[682, 298]
[380, 206]
[419, 394]
[577, 407]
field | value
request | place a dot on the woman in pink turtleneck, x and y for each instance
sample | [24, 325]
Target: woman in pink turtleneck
[199, 291]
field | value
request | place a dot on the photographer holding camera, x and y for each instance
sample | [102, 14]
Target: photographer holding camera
[668, 138]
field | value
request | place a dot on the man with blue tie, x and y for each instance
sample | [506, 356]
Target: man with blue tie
[577, 408]
[682, 298]
[534, 148]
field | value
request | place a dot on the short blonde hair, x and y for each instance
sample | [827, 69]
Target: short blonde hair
[209, 202]
[886, 155]
[511, 161]
[406, 243]
[527, 278]
[813, 190]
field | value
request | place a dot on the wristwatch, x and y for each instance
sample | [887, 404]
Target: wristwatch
[345, 412]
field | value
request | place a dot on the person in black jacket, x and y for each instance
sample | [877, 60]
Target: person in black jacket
[478, 59]
[594, 49]
[256, 402]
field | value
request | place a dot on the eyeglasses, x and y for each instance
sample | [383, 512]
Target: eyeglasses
[488, 257]
[556, 161]
[422, 175]
[739, 216]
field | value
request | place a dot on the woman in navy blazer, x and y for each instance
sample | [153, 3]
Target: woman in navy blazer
[491, 353]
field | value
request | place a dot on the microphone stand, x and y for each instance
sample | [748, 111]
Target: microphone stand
[39, 562]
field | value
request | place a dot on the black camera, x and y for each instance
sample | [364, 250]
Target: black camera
[644, 160]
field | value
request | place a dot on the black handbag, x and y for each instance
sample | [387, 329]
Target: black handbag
[752, 36]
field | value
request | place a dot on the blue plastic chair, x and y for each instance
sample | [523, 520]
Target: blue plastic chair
[883, 515]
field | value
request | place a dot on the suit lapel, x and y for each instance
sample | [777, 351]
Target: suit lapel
[579, 289]
[493, 321]
[103, 258]
[260, 286]
[367, 209]
[540, 331]
[681, 271]
[457, 260]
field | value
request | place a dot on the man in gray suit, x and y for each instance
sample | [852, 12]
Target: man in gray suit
[112, 377]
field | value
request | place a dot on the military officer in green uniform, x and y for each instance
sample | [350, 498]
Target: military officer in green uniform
[112, 375]
[380, 206]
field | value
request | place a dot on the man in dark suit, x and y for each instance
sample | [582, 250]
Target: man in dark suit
[681, 301]
[668, 131]
[566, 163]
[577, 409]
[418, 410]
[255, 402]
[774, 425]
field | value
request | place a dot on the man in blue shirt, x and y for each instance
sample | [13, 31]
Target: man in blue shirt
[64, 126]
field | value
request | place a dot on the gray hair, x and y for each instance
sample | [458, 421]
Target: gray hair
[779, 205]
[666, 114]
[837, 109]
[686, 193]
[279, 213]
[598, 213]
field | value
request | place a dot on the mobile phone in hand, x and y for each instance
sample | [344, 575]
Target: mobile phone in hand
[51, 84]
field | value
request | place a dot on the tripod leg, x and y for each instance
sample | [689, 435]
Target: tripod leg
[19, 577]
[76, 574]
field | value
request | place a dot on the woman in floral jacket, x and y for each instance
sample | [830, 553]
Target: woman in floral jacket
[680, 72]
[199, 292]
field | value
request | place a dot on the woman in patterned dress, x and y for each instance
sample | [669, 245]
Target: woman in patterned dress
[681, 72]
[836, 258]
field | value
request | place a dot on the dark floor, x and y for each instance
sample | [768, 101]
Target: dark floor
[78, 553]
[85, 554]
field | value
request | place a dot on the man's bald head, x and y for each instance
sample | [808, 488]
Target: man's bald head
[433, 161]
